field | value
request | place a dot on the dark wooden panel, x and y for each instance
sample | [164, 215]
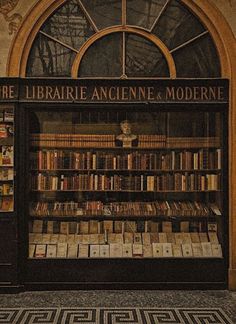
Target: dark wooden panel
[162, 271]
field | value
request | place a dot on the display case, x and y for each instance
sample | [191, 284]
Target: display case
[6, 159]
[125, 182]
[8, 222]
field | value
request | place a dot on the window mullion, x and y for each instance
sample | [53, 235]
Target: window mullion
[159, 16]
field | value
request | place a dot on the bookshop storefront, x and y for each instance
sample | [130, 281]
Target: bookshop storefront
[116, 135]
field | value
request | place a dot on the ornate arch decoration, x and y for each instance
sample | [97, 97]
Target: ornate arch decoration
[23, 42]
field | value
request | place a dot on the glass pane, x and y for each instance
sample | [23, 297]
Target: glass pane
[177, 25]
[7, 168]
[198, 60]
[103, 58]
[105, 13]
[48, 58]
[144, 59]
[143, 13]
[69, 25]
[141, 187]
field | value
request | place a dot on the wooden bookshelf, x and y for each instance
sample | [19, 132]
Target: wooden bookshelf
[68, 171]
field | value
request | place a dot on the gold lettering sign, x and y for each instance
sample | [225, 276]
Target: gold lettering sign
[153, 91]
[7, 92]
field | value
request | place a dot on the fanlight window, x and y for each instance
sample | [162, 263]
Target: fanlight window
[123, 39]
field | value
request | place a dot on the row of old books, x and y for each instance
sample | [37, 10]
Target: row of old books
[103, 182]
[72, 140]
[124, 208]
[126, 237]
[151, 141]
[119, 226]
[173, 160]
[102, 140]
[125, 250]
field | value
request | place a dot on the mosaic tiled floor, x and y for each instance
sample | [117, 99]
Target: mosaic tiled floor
[113, 315]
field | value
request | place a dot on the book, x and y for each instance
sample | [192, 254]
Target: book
[154, 237]
[62, 238]
[137, 238]
[157, 249]
[206, 249]
[146, 238]
[119, 238]
[213, 237]
[118, 226]
[40, 251]
[6, 204]
[101, 238]
[177, 250]
[93, 227]
[64, 228]
[104, 250]
[186, 237]
[93, 238]
[7, 155]
[51, 251]
[85, 239]
[94, 251]
[197, 250]
[187, 250]
[137, 250]
[216, 250]
[111, 238]
[127, 250]
[116, 250]
[61, 250]
[107, 226]
[147, 251]
[203, 237]
[54, 238]
[84, 227]
[83, 251]
[184, 226]
[46, 238]
[167, 250]
[166, 227]
[50, 227]
[195, 237]
[162, 237]
[70, 239]
[78, 238]
[31, 250]
[170, 238]
[37, 226]
[128, 237]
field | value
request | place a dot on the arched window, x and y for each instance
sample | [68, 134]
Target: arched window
[123, 39]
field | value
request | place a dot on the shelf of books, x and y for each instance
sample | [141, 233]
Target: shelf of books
[6, 159]
[140, 185]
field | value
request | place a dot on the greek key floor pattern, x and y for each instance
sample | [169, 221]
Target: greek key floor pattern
[113, 315]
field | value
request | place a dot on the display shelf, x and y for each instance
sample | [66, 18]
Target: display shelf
[102, 185]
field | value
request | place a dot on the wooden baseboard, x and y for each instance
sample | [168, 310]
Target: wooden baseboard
[232, 279]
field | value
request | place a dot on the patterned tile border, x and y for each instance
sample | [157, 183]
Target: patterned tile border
[109, 315]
